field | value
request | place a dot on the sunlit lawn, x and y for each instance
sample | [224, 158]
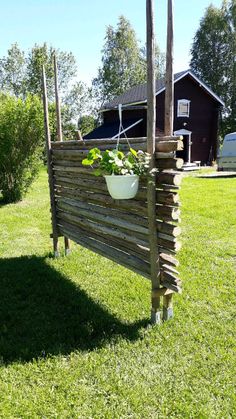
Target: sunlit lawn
[74, 335]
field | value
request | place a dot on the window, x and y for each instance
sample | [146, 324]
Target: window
[183, 108]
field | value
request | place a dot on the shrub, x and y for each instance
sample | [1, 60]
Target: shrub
[21, 143]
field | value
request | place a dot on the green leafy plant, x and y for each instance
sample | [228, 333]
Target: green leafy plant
[115, 162]
[21, 144]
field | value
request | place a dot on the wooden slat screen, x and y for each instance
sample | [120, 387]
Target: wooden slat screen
[118, 229]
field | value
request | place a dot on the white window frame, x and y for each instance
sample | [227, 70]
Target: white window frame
[183, 102]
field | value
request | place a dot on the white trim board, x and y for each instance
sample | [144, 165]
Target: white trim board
[182, 132]
[201, 84]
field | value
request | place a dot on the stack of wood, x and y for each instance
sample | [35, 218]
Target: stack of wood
[118, 229]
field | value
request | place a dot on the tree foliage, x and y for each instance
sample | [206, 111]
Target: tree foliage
[21, 74]
[123, 61]
[12, 71]
[43, 55]
[213, 56]
[87, 123]
[21, 139]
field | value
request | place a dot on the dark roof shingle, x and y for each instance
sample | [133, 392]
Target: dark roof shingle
[138, 93]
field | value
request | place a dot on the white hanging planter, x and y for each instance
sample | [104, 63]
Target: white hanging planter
[122, 186]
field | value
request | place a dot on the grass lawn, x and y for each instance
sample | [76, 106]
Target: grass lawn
[74, 335]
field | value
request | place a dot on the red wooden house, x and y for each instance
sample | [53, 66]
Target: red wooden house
[196, 115]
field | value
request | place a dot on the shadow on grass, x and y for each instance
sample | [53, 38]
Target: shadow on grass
[43, 313]
[2, 203]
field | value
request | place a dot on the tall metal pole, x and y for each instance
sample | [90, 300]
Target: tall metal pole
[151, 188]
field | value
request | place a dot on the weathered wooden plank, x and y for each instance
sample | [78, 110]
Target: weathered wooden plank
[167, 188]
[168, 198]
[104, 200]
[73, 154]
[134, 248]
[104, 219]
[95, 243]
[93, 210]
[175, 288]
[169, 268]
[167, 213]
[83, 180]
[101, 228]
[170, 278]
[108, 248]
[163, 212]
[161, 146]
[79, 155]
[77, 170]
[73, 177]
[98, 182]
[168, 228]
[170, 178]
[162, 197]
[169, 163]
[123, 214]
[174, 246]
[96, 142]
[167, 251]
[168, 259]
[84, 186]
[138, 232]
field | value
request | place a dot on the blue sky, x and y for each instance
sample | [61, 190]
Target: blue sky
[79, 26]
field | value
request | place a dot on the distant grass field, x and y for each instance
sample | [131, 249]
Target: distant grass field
[74, 335]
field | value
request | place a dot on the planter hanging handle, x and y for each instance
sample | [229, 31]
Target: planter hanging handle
[121, 128]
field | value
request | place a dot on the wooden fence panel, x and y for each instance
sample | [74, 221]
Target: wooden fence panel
[118, 229]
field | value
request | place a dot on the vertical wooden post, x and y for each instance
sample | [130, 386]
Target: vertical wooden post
[58, 108]
[169, 116]
[49, 165]
[59, 129]
[151, 189]
[169, 92]
[168, 307]
[79, 135]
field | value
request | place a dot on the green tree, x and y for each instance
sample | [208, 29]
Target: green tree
[160, 61]
[21, 144]
[230, 13]
[21, 74]
[123, 62]
[78, 100]
[213, 56]
[43, 55]
[87, 123]
[12, 71]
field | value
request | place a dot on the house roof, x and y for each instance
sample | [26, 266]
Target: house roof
[111, 130]
[138, 94]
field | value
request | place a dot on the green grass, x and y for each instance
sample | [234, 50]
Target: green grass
[74, 335]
